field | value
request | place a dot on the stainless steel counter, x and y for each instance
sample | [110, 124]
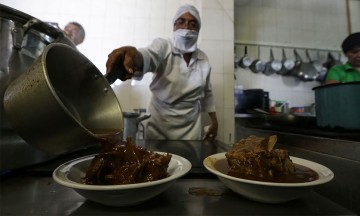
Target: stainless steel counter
[32, 191]
[40, 195]
[340, 152]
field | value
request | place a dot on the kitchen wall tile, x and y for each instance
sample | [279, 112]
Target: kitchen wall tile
[220, 112]
[228, 131]
[228, 57]
[228, 92]
[355, 15]
[227, 4]
[142, 29]
[212, 4]
[160, 7]
[217, 81]
[143, 9]
[214, 19]
[211, 49]
[228, 25]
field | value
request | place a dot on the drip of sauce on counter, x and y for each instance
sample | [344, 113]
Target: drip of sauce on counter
[302, 174]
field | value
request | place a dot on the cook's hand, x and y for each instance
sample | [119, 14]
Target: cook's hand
[126, 58]
[211, 132]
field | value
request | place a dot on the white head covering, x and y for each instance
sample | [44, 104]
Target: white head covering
[187, 8]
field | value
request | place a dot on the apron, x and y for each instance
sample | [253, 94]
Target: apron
[174, 122]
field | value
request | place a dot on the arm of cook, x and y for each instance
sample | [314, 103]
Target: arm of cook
[140, 60]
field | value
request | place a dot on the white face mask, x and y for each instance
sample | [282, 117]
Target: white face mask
[185, 40]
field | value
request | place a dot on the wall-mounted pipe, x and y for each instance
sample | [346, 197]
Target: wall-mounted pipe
[348, 16]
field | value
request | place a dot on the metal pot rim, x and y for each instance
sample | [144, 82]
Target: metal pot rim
[336, 84]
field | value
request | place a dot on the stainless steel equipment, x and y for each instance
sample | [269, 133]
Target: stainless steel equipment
[132, 125]
[251, 98]
[337, 106]
[62, 102]
[22, 40]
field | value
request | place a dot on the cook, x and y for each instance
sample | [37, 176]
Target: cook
[350, 71]
[75, 31]
[181, 87]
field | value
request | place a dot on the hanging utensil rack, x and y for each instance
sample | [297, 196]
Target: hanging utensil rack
[238, 43]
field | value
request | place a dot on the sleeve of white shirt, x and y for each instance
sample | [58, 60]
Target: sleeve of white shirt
[154, 54]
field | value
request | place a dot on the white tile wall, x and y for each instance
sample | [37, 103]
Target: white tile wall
[317, 24]
[113, 23]
[218, 42]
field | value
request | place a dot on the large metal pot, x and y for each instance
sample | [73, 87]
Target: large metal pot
[62, 101]
[22, 40]
[338, 105]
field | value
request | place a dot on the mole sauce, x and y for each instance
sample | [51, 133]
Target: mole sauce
[302, 174]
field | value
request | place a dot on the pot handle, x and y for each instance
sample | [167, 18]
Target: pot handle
[271, 55]
[18, 36]
[297, 56]
[308, 55]
[142, 118]
[283, 55]
[38, 25]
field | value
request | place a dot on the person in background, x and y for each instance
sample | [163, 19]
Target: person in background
[180, 87]
[75, 32]
[350, 71]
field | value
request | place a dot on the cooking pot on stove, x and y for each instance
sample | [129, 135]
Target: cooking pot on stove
[62, 102]
[338, 105]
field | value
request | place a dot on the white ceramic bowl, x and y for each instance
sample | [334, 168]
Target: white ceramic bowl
[270, 192]
[70, 173]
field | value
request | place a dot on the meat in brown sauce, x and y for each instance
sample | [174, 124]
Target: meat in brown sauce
[254, 158]
[122, 162]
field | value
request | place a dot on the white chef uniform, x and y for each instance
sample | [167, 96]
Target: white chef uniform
[180, 92]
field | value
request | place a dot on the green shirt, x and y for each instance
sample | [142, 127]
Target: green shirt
[343, 73]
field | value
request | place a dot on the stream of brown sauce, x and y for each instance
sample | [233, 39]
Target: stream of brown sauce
[302, 174]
